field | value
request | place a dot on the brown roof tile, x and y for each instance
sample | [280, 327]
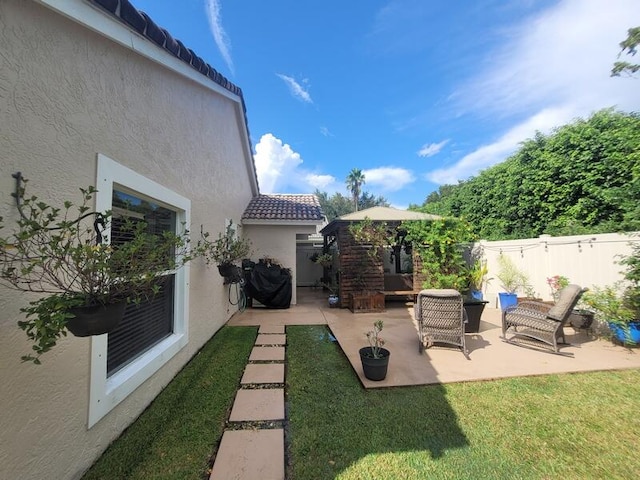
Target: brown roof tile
[290, 207]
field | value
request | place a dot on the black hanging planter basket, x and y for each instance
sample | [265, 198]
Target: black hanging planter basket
[95, 319]
[374, 368]
[231, 273]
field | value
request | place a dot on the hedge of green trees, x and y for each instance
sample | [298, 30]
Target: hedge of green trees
[582, 178]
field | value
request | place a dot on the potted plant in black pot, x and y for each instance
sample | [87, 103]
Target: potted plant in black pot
[84, 280]
[374, 358]
[226, 251]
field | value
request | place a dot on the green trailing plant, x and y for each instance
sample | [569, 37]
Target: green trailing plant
[511, 278]
[53, 252]
[632, 276]
[376, 342]
[619, 304]
[609, 305]
[371, 234]
[441, 244]
[227, 249]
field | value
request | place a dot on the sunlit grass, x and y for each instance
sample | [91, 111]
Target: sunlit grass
[557, 426]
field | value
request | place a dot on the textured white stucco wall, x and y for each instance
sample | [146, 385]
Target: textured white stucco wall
[66, 94]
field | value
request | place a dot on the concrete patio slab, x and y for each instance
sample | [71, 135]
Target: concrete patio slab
[271, 339]
[271, 329]
[267, 354]
[489, 356]
[249, 455]
[259, 404]
[263, 373]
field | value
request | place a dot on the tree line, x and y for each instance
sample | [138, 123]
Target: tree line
[583, 177]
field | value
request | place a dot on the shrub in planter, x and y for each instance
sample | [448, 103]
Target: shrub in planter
[374, 358]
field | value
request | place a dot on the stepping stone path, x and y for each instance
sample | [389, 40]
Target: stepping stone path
[251, 448]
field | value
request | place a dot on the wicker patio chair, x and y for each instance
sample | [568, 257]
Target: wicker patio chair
[440, 316]
[539, 324]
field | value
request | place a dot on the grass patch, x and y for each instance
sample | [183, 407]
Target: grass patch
[174, 438]
[574, 426]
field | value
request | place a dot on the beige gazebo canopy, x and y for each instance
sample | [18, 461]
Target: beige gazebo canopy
[377, 214]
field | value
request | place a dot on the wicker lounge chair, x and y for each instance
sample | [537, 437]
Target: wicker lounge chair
[539, 324]
[440, 316]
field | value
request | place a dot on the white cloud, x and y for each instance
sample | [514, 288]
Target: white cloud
[219, 35]
[431, 149]
[279, 169]
[321, 182]
[295, 88]
[388, 179]
[551, 69]
[273, 158]
[326, 132]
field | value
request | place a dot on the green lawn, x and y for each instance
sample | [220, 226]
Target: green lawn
[559, 426]
[577, 426]
[175, 437]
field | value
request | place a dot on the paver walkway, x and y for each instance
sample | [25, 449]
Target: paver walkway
[252, 446]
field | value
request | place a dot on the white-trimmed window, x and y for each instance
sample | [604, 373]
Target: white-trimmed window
[123, 360]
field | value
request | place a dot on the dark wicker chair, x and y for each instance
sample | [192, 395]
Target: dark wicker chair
[536, 324]
[441, 317]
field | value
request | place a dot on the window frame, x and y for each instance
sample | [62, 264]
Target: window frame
[107, 392]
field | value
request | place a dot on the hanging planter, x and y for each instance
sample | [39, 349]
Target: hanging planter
[231, 273]
[95, 319]
[85, 283]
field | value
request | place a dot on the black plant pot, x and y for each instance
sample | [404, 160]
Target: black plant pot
[374, 368]
[231, 273]
[581, 319]
[474, 310]
[95, 319]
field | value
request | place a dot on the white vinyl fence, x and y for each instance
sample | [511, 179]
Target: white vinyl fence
[587, 260]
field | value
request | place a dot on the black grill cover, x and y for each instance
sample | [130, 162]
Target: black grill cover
[270, 284]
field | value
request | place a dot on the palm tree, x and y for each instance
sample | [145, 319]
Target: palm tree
[355, 179]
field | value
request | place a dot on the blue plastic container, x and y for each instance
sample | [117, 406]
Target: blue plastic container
[507, 300]
[620, 334]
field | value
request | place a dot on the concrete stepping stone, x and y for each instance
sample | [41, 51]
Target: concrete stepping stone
[259, 404]
[250, 455]
[267, 354]
[271, 329]
[263, 373]
[271, 339]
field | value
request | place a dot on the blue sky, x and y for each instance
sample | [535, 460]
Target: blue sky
[416, 93]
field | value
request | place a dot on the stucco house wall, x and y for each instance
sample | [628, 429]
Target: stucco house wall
[68, 94]
[278, 243]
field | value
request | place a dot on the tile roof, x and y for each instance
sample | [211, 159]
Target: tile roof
[284, 207]
[142, 23]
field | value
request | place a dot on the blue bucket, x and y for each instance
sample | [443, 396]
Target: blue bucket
[620, 333]
[507, 300]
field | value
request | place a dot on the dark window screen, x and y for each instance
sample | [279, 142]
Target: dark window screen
[145, 324]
